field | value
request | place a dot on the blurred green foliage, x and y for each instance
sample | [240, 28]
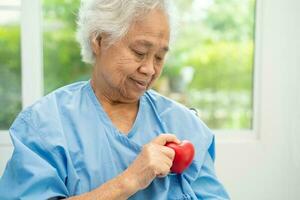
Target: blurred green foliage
[217, 44]
[10, 74]
[62, 61]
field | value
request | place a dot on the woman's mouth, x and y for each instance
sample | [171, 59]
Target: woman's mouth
[141, 85]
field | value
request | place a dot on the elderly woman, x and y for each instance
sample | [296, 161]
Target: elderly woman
[105, 138]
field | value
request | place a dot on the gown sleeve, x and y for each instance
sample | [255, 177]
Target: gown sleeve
[207, 186]
[32, 172]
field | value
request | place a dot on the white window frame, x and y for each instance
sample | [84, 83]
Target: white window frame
[32, 71]
[31, 54]
[254, 134]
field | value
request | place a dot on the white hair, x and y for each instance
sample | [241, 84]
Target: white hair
[113, 17]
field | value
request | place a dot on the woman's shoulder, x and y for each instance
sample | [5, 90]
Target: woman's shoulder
[46, 111]
[41, 126]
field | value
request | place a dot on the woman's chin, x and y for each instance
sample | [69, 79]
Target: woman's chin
[134, 96]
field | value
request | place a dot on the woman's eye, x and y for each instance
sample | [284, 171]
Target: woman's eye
[159, 59]
[139, 54]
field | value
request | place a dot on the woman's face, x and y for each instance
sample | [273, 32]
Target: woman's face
[126, 69]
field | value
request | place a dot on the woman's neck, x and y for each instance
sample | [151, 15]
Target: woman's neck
[109, 99]
[122, 114]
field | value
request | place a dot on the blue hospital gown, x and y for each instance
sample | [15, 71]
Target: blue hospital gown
[66, 145]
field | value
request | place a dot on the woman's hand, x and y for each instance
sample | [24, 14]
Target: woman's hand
[155, 160]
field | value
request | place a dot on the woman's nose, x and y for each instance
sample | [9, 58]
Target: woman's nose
[147, 68]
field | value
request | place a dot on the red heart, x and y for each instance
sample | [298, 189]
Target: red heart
[184, 154]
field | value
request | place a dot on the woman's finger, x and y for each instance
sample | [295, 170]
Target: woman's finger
[164, 138]
[170, 153]
[164, 171]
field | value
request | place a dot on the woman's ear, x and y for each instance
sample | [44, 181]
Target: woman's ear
[96, 44]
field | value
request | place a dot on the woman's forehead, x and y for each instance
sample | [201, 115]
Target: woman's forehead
[152, 28]
[150, 44]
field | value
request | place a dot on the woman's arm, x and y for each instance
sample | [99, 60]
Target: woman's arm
[154, 160]
[121, 187]
[30, 168]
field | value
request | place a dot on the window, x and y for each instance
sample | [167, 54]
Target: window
[62, 60]
[10, 62]
[210, 66]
